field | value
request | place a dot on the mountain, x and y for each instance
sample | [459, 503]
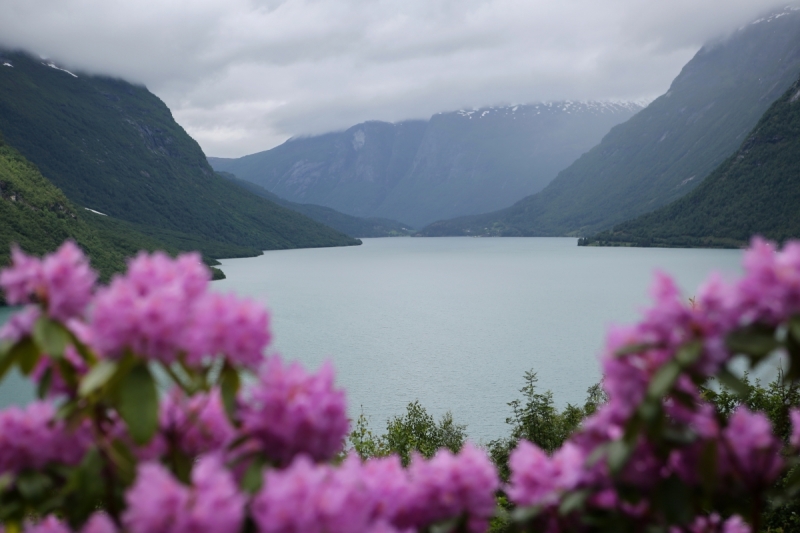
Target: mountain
[457, 163]
[665, 150]
[756, 191]
[347, 224]
[114, 147]
[38, 216]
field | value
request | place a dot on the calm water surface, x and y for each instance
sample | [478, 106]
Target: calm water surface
[452, 322]
[455, 322]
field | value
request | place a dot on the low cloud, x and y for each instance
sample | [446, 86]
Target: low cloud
[243, 75]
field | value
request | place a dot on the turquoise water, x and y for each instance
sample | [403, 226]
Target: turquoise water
[453, 322]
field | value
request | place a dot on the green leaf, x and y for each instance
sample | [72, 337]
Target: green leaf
[7, 357]
[736, 385]
[97, 377]
[138, 403]
[618, 454]
[755, 341]
[794, 327]
[253, 477]
[34, 485]
[44, 383]
[229, 387]
[634, 348]
[525, 514]
[663, 380]
[689, 353]
[52, 337]
[27, 354]
[573, 501]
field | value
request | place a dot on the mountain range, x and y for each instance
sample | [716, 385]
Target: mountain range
[667, 149]
[455, 163]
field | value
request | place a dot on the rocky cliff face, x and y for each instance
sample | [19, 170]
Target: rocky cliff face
[463, 162]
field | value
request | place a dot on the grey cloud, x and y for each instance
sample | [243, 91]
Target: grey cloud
[244, 75]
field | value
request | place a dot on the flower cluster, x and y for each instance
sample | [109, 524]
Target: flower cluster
[290, 412]
[198, 424]
[31, 438]
[378, 495]
[62, 281]
[159, 503]
[161, 309]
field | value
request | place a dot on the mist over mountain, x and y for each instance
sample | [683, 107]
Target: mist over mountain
[114, 147]
[667, 149]
[456, 163]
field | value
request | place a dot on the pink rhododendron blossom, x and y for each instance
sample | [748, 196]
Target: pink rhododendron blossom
[752, 450]
[30, 437]
[388, 483]
[215, 505]
[311, 498]
[714, 524]
[99, 522]
[49, 524]
[149, 309]
[794, 440]
[197, 424]
[23, 279]
[155, 501]
[63, 280]
[225, 324]
[449, 486]
[20, 324]
[291, 412]
[537, 479]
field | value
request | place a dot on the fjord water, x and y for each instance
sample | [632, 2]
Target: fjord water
[455, 322]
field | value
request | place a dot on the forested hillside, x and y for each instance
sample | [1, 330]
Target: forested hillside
[38, 217]
[755, 191]
[114, 147]
[667, 149]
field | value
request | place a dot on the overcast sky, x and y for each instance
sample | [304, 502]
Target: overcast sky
[244, 75]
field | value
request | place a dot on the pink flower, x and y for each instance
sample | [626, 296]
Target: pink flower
[537, 479]
[224, 324]
[155, 501]
[21, 324]
[309, 498]
[149, 309]
[99, 522]
[290, 412]
[62, 281]
[794, 440]
[197, 424]
[32, 438]
[752, 450]
[713, 523]
[449, 486]
[49, 524]
[158, 503]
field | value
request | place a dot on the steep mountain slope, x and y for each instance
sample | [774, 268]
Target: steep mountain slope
[37, 216]
[664, 151]
[755, 191]
[347, 224]
[456, 163]
[114, 147]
